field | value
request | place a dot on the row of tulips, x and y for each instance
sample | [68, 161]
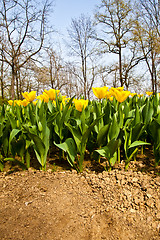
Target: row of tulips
[113, 127]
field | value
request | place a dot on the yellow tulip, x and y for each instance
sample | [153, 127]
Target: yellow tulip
[35, 102]
[140, 95]
[10, 102]
[100, 92]
[118, 88]
[121, 96]
[29, 96]
[133, 94]
[52, 93]
[18, 102]
[80, 104]
[111, 98]
[149, 93]
[24, 102]
[44, 97]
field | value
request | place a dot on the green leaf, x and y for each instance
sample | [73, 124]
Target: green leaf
[52, 117]
[136, 131]
[147, 112]
[109, 150]
[13, 121]
[38, 145]
[114, 129]
[70, 148]
[138, 143]
[14, 132]
[102, 135]
[137, 116]
[113, 146]
[76, 135]
[87, 132]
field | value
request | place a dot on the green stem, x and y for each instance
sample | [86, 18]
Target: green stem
[80, 165]
[118, 155]
[126, 165]
[142, 150]
[27, 159]
[22, 159]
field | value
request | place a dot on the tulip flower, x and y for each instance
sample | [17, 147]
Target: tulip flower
[43, 97]
[133, 94]
[35, 102]
[10, 102]
[149, 93]
[52, 93]
[120, 88]
[24, 102]
[80, 104]
[18, 102]
[100, 92]
[121, 96]
[29, 96]
[140, 95]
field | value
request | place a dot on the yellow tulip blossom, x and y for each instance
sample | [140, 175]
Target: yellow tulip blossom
[43, 97]
[10, 102]
[35, 102]
[111, 98]
[52, 93]
[140, 95]
[24, 102]
[121, 96]
[18, 102]
[80, 104]
[100, 92]
[29, 96]
[133, 94]
[120, 88]
[149, 93]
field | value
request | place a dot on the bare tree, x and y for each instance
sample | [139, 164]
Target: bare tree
[24, 27]
[82, 46]
[115, 17]
[151, 10]
[147, 35]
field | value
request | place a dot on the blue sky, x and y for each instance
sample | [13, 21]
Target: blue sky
[65, 10]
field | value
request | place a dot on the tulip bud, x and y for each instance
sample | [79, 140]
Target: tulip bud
[40, 127]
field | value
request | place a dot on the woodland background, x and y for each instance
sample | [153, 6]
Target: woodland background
[123, 30]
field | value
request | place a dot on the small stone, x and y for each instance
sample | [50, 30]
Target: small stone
[137, 200]
[150, 203]
[158, 227]
[158, 205]
[132, 210]
[31, 169]
[154, 224]
[149, 219]
[123, 181]
[27, 203]
[149, 195]
[158, 215]
[135, 179]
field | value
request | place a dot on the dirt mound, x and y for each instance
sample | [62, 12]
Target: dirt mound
[66, 205]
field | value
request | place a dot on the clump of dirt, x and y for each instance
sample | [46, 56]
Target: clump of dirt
[120, 204]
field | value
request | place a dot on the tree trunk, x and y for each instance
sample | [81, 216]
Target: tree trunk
[13, 82]
[17, 84]
[2, 83]
[120, 66]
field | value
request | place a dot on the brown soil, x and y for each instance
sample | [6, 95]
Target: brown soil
[92, 205]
